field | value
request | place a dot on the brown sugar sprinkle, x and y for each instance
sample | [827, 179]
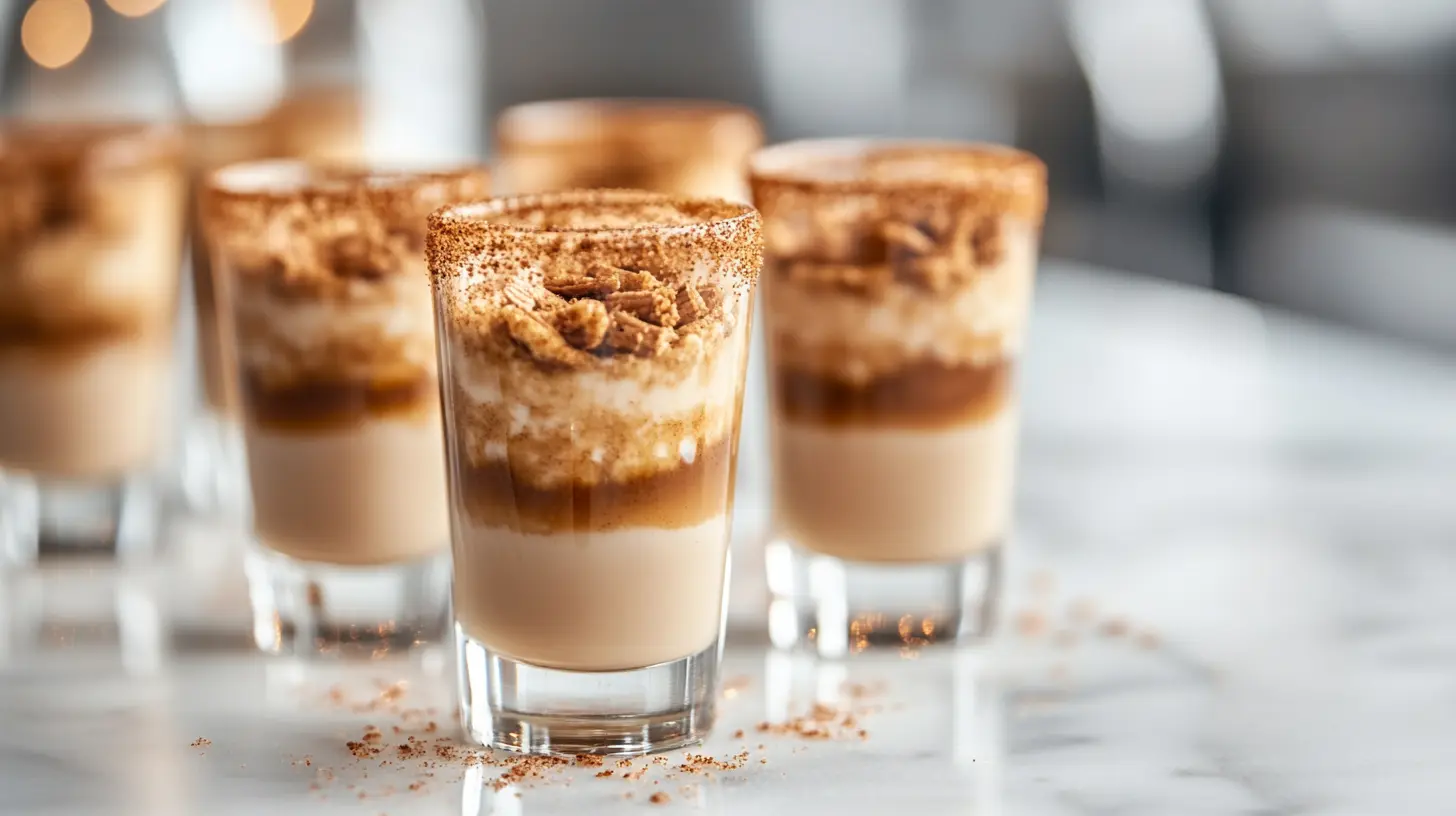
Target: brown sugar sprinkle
[738, 734]
[734, 685]
[659, 798]
[201, 742]
[632, 776]
[1114, 628]
[588, 761]
[659, 760]
[605, 774]
[624, 763]
[1031, 623]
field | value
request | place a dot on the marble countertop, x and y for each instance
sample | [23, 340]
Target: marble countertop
[1230, 594]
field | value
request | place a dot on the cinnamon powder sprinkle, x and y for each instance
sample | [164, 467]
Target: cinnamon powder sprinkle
[1114, 628]
[659, 798]
[201, 742]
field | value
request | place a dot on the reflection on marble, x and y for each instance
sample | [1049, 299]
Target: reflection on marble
[1230, 594]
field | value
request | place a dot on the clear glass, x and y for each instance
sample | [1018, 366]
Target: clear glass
[90, 242]
[898, 281]
[592, 349]
[323, 292]
[319, 124]
[678, 146]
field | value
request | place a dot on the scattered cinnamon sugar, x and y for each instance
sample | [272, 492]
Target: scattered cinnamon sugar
[734, 685]
[659, 798]
[1031, 623]
[1114, 628]
[201, 742]
[738, 734]
[605, 774]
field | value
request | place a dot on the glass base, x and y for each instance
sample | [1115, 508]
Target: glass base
[835, 607]
[515, 706]
[43, 519]
[309, 609]
[213, 472]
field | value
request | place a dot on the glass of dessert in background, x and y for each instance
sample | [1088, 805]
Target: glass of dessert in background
[325, 300]
[897, 287]
[592, 350]
[314, 125]
[90, 259]
[681, 146]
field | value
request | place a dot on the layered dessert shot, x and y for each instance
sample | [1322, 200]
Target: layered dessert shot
[897, 288]
[593, 348]
[316, 125]
[684, 147]
[326, 300]
[90, 250]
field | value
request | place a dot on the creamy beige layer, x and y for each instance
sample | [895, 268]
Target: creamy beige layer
[602, 601]
[891, 495]
[369, 494]
[85, 413]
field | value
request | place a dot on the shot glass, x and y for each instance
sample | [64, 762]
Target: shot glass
[679, 146]
[90, 257]
[897, 289]
[323, 291]
[316, 125]
[592, 349]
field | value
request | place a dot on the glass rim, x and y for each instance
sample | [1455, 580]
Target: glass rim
[281, 180]
[828, 165]
[100, 144]
[473, 217]
[560, 122]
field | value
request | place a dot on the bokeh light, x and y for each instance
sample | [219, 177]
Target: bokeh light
[289, 17]
[55, 32]
[134, 8]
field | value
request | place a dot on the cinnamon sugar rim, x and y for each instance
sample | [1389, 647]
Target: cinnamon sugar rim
[705, 214]
[281, 181]
[99, 145]
[560, 122]
[848, 167]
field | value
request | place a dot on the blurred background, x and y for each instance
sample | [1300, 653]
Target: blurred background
[1297, 152]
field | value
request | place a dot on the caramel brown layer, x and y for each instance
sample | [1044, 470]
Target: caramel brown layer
[75, 335]
[924, 394]
[682, 497]
[322, 405]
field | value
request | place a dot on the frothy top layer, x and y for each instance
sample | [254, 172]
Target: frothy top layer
[315, 230]
[855, 324]
[594, 336]
[90, 223]
[55, 174]
[891, 254]
[480, 255]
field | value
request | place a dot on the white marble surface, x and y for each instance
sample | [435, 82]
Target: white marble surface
[1270, 497]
